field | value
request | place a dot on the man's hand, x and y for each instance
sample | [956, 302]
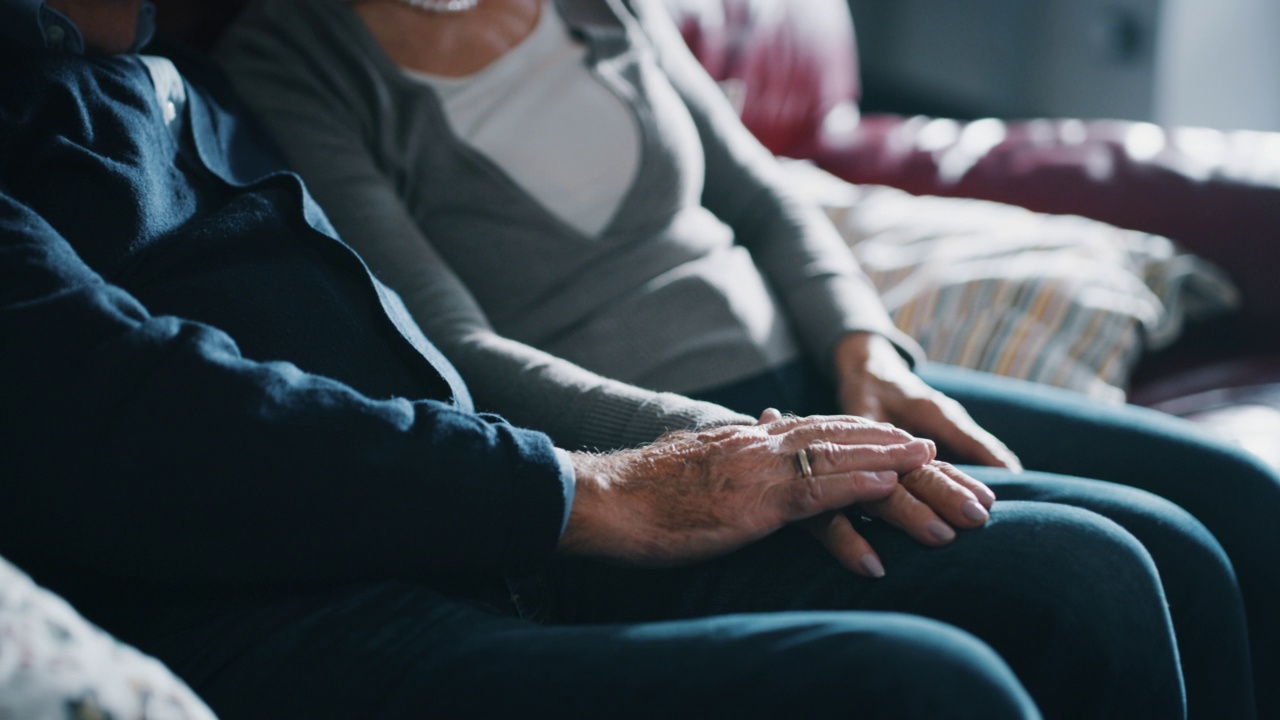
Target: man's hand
[692, 496]
[928, 504]
[875, 382]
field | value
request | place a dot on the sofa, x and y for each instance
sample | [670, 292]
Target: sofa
[793, 67]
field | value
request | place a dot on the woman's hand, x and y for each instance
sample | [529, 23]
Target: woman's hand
[875, 382]
[928, 504]
[691, 496]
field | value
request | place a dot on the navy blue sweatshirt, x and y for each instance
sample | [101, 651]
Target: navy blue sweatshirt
[202, 385]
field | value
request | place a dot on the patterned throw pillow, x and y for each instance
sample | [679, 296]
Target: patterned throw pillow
[55, 665]
[1056, 299]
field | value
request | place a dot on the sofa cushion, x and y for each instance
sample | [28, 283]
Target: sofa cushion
[1215, 193]
[1061, 300]
[55, 665]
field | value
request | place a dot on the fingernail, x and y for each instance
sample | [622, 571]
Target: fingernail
[886, 477]
[923, 443]
[940, 531]
[975, 512]
[871, 564]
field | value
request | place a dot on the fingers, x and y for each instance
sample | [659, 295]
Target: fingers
[931, 501]
[848, 429]
[927, 504]
[841, 443]
[985, 496]
[939, 487]
[946, 420]
[831, 458]
[850, 549]
[876, 382]
[805, 497]
[907, 513]
[845, 430]
[846, 474]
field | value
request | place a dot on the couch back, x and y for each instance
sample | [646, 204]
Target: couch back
[791, 64]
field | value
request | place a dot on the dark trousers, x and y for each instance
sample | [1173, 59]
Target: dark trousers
[1204, 510]
[774, 630]
[400, 650]
[1094, 599]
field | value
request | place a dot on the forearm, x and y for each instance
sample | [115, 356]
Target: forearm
[577, 408]
[532, 388]
[246, 474]
[172, 457]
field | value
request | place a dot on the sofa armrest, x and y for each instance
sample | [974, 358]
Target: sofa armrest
[1216, 193]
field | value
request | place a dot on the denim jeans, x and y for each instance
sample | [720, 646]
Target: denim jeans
[1088, 598]
[1204, 510]
[1066, 598]
[398, 650]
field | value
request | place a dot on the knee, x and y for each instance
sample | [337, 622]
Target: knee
[964, 676]
[1073, 601]
[1053, 555]
[879, 665]
[1186, 552]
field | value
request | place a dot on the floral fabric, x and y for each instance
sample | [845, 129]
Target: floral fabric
[55, 665]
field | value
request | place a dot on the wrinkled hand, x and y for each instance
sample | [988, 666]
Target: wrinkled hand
[691, 496]
[875, 382]
[928, 503]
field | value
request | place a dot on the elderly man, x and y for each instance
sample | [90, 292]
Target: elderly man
[227, 443]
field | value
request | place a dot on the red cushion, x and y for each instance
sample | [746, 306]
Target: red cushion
[795, 59]
[1218, 194]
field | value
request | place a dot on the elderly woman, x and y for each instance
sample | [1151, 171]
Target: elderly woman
[574, 214]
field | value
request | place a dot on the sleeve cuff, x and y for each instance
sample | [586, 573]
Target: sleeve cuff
[569, 479]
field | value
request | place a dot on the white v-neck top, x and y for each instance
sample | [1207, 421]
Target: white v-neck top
[541, 116]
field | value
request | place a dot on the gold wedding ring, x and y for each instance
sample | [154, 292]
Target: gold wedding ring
[802, 459]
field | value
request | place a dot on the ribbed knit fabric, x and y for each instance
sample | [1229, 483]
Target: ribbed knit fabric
[711, 270]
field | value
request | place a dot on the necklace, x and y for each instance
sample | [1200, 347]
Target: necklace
[442, 6]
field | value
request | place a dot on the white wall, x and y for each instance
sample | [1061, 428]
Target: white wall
[1218, 64]
[1214, 63]
[1079, 58]
[1096, 58]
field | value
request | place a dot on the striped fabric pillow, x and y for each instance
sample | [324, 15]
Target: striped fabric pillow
[1055, 299]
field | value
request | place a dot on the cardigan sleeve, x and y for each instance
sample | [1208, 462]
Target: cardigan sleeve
[146, 446]
[824, 291]
[323, 123]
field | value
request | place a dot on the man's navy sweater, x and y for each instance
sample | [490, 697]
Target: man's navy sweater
[202, 385]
